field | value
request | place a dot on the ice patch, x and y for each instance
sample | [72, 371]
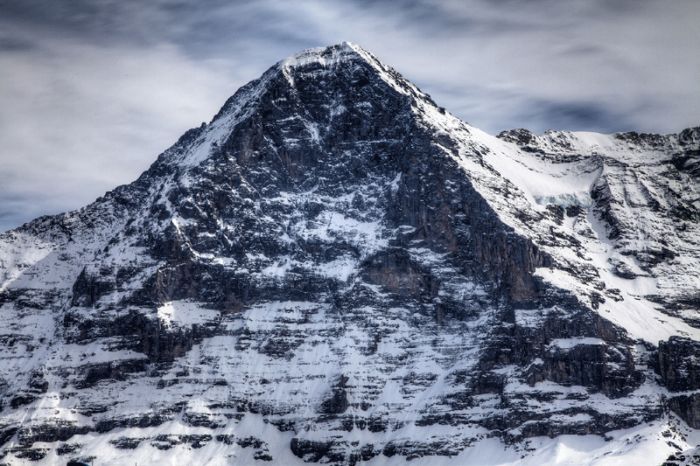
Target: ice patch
[568, 343]
[186, 313]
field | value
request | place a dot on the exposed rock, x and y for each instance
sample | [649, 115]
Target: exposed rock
[679, 364]
[687, 407]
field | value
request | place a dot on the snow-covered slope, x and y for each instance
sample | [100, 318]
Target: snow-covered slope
[630, 205]
[337, 270]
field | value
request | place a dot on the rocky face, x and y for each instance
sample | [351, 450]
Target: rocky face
[336, 270]
[679, 367]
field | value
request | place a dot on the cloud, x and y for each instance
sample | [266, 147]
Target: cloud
[78, 120]
[92, 90]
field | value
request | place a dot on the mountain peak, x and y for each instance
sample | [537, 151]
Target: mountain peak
[336, 58]
[341, 52]
[299, 90]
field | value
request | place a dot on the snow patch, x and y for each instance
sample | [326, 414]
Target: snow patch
[186, 313]
[568, 343]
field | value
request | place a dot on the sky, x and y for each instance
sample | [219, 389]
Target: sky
[91, 91]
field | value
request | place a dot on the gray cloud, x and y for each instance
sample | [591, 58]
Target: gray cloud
[92, 90]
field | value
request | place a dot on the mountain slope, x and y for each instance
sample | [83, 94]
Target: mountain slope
[336, 270]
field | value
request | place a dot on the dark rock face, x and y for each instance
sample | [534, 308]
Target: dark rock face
[687, 407]
[596, 366]
[679, 364]
[337, 401]
[679, 367]
[335, 257]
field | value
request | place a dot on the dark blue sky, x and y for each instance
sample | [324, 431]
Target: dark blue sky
[92, 90]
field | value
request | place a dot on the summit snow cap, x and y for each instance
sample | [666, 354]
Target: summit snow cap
[345, 51]
[342, 54]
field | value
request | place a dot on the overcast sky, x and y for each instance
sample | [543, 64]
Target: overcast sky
[91, 91]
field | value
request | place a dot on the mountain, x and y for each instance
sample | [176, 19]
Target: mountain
[337, 270]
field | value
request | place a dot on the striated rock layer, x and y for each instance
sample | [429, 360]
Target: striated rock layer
[337, 270]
